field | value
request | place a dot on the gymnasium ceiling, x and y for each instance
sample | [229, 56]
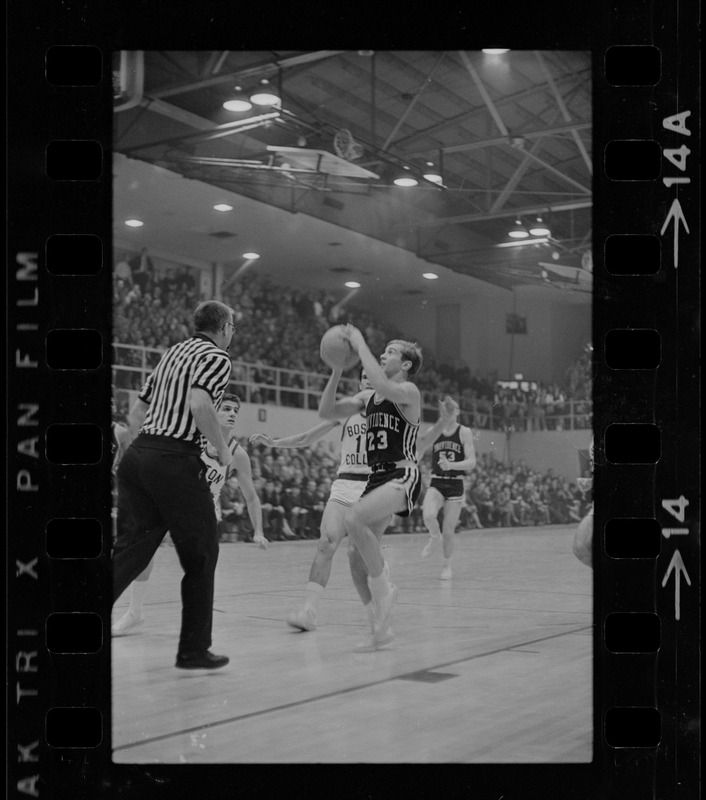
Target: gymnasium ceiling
[511, 135]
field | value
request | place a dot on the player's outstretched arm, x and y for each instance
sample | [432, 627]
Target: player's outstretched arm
[241, 463]
[447, 406]
[303, 439]
[344, 407]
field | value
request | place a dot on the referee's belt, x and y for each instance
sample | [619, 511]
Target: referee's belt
[167, 443]
[352, 476]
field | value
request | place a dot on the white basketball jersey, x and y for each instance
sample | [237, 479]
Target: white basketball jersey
[353, 454]
[215, 471]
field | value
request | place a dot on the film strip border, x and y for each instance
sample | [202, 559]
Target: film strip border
[58, 345]
[646, 422]
[646, 484]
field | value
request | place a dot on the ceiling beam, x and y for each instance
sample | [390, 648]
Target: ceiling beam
[414, 99]
[534, 209]
[565, 111]
[552, 169]
[494, 113]
[510, 99]
[519, 172]
[511, 185]
[257, 69]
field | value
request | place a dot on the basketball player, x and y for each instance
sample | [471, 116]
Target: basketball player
[583, 538]
[452, 455]
[350, 482]
[216, 475]
[392, 415]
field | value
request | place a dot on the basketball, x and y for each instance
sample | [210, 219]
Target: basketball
[336, 350]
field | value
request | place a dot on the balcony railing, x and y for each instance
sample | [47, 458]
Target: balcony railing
[266, 385]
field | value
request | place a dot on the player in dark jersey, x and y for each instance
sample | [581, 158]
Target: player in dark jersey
[392, 419]
[452, 455]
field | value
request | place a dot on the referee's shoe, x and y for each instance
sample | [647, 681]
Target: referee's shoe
[204, 659]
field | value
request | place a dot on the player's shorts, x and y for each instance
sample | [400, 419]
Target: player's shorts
[448, 488]
[407, 477]
[347, 488]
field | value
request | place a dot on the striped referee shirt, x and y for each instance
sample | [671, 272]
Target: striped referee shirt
[194, 363]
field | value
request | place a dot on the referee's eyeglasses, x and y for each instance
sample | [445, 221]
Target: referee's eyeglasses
[233, 326]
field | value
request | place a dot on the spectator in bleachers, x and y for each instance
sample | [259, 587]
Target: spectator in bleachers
[284, 329]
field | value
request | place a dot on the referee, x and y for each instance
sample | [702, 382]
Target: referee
[161, 478]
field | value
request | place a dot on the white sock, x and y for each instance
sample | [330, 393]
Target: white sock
[313, 593]
[446, 562]
[370, 611]
[138, 590]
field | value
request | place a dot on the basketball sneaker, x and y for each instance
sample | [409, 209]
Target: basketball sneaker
[429, 546]
[446, 574]
[375, 641]
[126, 623]
[303, 620]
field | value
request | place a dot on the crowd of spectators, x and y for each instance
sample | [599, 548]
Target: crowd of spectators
[294, 486]
[282, 328]
[277, 359]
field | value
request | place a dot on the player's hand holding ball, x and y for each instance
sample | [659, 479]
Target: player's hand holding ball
[354, 336]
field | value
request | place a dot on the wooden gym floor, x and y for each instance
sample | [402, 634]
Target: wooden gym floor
[493, 666]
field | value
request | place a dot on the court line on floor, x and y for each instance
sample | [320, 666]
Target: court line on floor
[337, 693]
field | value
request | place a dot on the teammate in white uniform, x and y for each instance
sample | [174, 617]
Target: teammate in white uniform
[216, 474]
[351, 478]
[453, 454]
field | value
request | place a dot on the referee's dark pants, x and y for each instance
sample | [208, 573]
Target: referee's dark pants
[162, 487]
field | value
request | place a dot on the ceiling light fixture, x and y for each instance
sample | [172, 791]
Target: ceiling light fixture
[494, 51]
[405, 178]
[265, 95]
[223, 207]
[432, 174]
[251, 256]
[539, 229]
[519, 231]
[430, 276]
[352, 284]
[134, 223]
[238, 102]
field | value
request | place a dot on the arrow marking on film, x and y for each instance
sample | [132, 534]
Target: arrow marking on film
[676, 214]
[677, 565]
